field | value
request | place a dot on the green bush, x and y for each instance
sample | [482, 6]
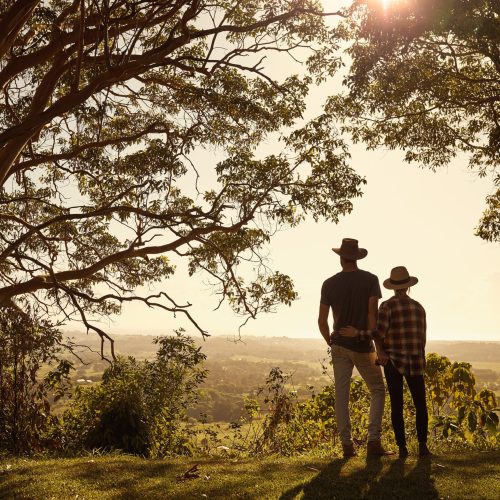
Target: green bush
[110, 415]
[461, 416]
[276, 421]
[290, 425]
[26, 344]
[140, 406]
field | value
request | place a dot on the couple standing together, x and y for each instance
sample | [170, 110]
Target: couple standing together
[398, 329]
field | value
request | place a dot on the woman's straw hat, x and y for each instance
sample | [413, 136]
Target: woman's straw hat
[400, 278]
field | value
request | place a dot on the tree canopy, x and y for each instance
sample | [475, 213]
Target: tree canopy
[425, 77]
[105, 105]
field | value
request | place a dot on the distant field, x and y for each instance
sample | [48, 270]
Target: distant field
[277, 351]
[486, 365]
[237, 368]
[283, 348]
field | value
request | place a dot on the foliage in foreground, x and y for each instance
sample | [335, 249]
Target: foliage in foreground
[461, 417]
[424, 78]
[27, 344]
[129, 141]
[139, 406]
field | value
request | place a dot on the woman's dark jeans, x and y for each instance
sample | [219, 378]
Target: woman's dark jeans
[416, 385]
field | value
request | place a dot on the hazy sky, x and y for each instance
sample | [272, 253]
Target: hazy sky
[407, 216]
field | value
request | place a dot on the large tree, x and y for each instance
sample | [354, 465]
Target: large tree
[106, 105]
[425, 78]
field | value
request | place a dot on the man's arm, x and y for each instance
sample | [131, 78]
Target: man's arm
[372, 332]
[324, 310]
[372, 313]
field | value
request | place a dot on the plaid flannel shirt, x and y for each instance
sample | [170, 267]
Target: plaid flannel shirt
[401, 325]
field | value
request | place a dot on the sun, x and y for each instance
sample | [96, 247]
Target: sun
[386, 4]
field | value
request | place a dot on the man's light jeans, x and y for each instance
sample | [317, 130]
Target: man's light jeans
[344, 360]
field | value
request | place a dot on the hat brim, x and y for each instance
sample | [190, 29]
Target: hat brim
[361, 254]
[399, 286]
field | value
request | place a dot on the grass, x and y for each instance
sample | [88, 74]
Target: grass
[459, 476]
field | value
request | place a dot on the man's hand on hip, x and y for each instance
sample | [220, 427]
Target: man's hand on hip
[382, 357]
[349, 331]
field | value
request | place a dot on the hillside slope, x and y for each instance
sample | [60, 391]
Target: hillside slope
[468, 476]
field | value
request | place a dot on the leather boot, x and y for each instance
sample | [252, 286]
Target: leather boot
[374, 448]
[423, 451]
[349, 451]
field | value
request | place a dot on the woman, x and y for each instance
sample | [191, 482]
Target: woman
[400, 340]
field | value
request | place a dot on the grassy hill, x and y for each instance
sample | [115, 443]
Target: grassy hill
[235, 368]
[461, 476]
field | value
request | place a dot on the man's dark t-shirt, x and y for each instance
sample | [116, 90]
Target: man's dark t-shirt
[347, 293]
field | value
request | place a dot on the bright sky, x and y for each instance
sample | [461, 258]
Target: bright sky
[407, 216]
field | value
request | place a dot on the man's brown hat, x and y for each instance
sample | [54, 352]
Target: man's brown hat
[349, 250]
[400, 278]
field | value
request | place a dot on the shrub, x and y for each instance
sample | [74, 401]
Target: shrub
[140, 406]
[461, 416]
[26, 344]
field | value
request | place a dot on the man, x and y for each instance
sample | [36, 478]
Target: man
[353, 295]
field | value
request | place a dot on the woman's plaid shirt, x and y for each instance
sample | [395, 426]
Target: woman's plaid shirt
[402, 327]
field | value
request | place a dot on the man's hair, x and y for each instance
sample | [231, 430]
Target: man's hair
[348, 261]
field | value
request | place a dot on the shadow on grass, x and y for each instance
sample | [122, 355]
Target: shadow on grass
[123, 477]
[377, 479]
[133, 478]
[397, 483]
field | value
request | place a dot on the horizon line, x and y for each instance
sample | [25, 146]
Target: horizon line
[155, 333]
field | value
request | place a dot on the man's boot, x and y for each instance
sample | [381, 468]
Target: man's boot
[349, 451]
[375, 449]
